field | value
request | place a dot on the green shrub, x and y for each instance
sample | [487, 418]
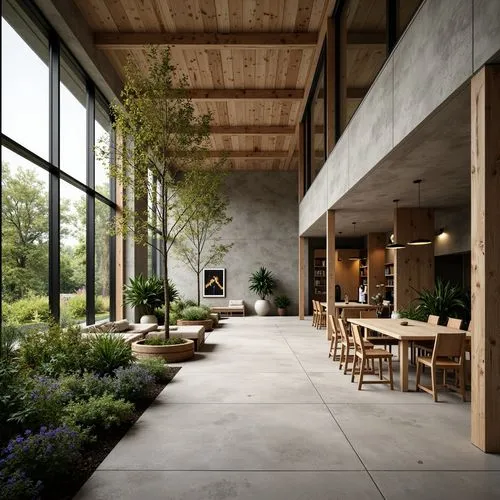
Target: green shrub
[11, 397]
[161, 341]
[98, 413]
[55, 351]
[76, 306]
[31, 309]
[194, 313]
[132, 383]
[155, 367]
[87, 385]
[281, 301]
[108, 351]
[10, 338]
[101, 304]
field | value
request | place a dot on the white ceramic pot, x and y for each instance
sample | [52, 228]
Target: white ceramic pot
[148, 319]
[262, 307]
[395, 315]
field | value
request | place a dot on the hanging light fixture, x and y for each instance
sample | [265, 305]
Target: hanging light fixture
[354, 235]
[393, 245]
[419, 241]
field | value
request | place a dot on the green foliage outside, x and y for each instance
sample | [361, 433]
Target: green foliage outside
[194, 313]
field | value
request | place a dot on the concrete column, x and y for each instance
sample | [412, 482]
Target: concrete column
[330, 267]
[414, 265]
[485, 265]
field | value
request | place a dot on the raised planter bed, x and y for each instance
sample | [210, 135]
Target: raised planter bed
[207, 323]
[170, 353]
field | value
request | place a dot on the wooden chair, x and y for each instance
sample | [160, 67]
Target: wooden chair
[336, 341]
[347, 342]
[454, 323]
[448, 354]
[321, 321]
[433, 320]
[363, 355]
[377, 338]
[425, 346]
[315, 314]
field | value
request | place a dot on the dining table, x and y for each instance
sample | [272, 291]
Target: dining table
[405, 333]
[351, 306]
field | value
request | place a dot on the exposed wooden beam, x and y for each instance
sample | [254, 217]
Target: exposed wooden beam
[251, 130]
[253, 155]
[370, 40]
[113, 40]
[245, 94]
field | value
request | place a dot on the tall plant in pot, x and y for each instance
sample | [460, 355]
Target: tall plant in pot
[262, 282]
[159, 156]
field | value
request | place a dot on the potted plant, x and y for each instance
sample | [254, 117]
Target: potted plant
[196, 315]
[145, 294]
[262, 282]
[281, 302]
[378, 299]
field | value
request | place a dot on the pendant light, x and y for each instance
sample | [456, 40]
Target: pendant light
[354, 235]
[419, 241]
[393, 245]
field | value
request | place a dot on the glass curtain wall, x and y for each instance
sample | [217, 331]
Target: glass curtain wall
[57, 200]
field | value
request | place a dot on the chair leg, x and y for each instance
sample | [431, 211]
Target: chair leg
[419, 368]
[361, 372]
[332, 341]
[433, 382]
[462, 381]
[342, 356]
[391, 377]
[381, 377]
[346, 361]
[354, 363]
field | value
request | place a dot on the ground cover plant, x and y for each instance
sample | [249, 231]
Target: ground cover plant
[65, 400]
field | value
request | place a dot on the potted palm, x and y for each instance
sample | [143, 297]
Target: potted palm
[281, 302]
[146, 295]
[262, 282]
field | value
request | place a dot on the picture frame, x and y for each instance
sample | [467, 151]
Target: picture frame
[214, 282]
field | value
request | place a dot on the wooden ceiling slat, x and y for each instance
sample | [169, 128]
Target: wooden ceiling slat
[245, 94]
[252, 130]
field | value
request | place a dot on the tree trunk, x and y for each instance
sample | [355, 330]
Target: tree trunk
[165, 286]
[198, 281]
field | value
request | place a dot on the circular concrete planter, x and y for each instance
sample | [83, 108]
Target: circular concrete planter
[207, 323]
[262, 307]
[170, 353]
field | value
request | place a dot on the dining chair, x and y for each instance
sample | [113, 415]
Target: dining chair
[377, 338]
[321, 315]
[454, 323]
[433, 319]
[346, 343]
[448, 354]
[315, 313]
[363, 354]
[424, 346]
[336, 341]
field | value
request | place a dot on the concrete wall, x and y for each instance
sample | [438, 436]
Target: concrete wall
[456, 238]
[438, 53]
[264, 232]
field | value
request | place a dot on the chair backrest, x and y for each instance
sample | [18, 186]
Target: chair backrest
[333, 322]
[368, 314]
[343, 330]
[449, 345]
[433, 320]
[454, 323]
[315, 309]
[358, 342]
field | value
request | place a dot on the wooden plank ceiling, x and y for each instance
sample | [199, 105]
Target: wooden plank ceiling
[248, 62]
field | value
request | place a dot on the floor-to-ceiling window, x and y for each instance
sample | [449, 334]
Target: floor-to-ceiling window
[57, 199]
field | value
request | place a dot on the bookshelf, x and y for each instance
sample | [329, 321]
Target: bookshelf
[319, 274]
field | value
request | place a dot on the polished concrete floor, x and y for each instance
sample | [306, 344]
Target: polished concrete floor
[262, 413]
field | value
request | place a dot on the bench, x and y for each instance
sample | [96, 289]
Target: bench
[234, 308]
[195, 333]
[129, 331]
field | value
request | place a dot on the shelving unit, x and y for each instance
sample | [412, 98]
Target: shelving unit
[319, 274]
[389, 280]
[363, 273]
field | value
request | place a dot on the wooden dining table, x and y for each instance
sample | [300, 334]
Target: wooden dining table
[414, 331]
[353, 306]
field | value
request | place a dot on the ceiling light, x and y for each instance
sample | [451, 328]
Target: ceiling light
[394, 245]
[419, 241]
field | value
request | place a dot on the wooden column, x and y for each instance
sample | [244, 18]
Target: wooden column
[330, 86]
[376, 263]
[302, 277]
[330, 267]
[414, 265]
[485, 265]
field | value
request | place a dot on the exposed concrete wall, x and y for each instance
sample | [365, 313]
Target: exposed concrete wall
[438, 53]
[456, 224]
[264, 232]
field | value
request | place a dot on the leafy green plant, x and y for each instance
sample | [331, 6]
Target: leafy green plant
[54, 351]
[161, 341]
[413, 312]
[146, 294]
[108, 351]
[282, 301]
[82, 387]
[76, 306]
[98, 413]
[194, 313]
[9, 339]
[445, 300]
[155, 367]
[11, 396]
[262, 282]
[27, 310]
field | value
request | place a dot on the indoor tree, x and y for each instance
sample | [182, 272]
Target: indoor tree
[199, 244]
[158, 157]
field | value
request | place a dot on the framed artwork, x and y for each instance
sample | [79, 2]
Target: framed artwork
[214, 282]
